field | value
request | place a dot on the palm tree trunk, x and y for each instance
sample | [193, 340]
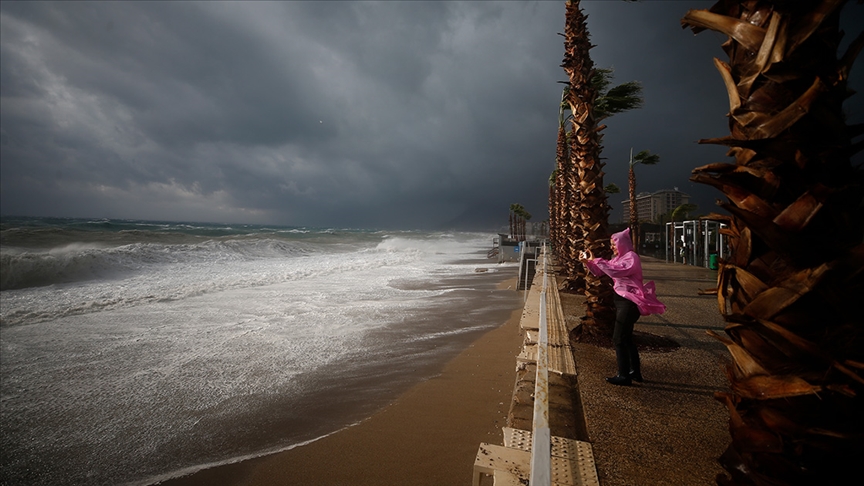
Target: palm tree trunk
[634, 215]
[790, 290]
[552, 212]
[576, 235]
[592, 211]
[563, 232]
[560, 157]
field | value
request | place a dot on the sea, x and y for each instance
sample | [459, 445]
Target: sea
[136, 351]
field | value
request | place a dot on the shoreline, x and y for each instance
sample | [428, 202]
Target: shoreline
[428, 435]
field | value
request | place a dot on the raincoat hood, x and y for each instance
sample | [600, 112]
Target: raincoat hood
[622, 241]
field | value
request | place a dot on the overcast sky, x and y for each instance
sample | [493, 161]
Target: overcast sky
[351, 114]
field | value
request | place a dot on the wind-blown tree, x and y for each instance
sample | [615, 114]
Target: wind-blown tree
[512, 221]
[682, 212]
[592, 207]
[524, 216]
[518, 218]
[568, 242]
[516, 210]
[790, 288]
[644, 157]
[609, 101]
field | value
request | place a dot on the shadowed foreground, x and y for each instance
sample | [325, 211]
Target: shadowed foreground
[668, 430]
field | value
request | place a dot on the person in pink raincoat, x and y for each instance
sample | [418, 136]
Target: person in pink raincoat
[632, 299]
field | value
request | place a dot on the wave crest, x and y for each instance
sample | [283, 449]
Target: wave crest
[77, 262]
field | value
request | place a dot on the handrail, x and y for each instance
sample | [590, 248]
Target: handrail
[541, 448]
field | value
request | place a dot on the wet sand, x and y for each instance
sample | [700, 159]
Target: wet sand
[428, 436]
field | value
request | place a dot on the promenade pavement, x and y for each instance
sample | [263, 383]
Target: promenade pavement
[668, 430]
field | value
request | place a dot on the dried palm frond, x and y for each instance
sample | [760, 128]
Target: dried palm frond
[790, 289]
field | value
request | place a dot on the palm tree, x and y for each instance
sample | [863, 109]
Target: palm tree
[553, 208]
[682, 211]
[516, 211]
[512, 227]
[568, 241]
[524, 217]
[564, 204]
[591, 206]
[790, 288]
[518, 218]
[644, 157]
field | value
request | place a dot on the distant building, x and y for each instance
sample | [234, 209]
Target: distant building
[650, 206]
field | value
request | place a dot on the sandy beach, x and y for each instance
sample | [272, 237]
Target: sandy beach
[428, 436]
[645, 434]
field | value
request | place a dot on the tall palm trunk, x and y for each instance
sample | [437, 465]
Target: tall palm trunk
[790, 291]
[561, 155]
[569, 234]
[569, 241]
[575, 229]
[634, 215]
[552, 210]
[591, 209]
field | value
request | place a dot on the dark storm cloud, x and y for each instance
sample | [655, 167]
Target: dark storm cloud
[330, 113]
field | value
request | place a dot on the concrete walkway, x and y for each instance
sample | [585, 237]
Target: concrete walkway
[668, 430]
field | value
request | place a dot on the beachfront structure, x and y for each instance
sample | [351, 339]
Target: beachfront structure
[696, 242]
[651, 206]
[505, 248]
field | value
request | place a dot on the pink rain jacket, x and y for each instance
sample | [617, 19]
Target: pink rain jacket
[626, 272]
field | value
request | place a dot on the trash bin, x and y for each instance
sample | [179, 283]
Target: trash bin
[712, 261]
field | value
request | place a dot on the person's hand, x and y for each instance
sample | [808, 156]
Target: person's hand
[586, 255]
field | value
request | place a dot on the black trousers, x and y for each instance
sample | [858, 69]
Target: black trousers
[626, 315]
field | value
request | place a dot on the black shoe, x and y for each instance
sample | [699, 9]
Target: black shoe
[620, 380]
[636, 376]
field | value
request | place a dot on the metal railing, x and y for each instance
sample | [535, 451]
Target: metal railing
[541, 447]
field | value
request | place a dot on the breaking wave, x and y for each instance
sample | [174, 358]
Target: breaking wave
[76, 262]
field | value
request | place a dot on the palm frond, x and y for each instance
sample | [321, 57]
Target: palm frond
[612, 189]
[621, 98]
[601, 79]
[564, 106]
[645, 157]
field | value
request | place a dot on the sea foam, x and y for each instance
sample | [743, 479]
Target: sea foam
[134, 350]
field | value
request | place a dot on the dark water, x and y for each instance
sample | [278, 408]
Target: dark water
[132, 351]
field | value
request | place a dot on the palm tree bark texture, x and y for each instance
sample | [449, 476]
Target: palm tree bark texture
[568, 238]
[553, 208]
[791, 290]
[591, 209]
[569, 234]
[566, 242]
[634, 215]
